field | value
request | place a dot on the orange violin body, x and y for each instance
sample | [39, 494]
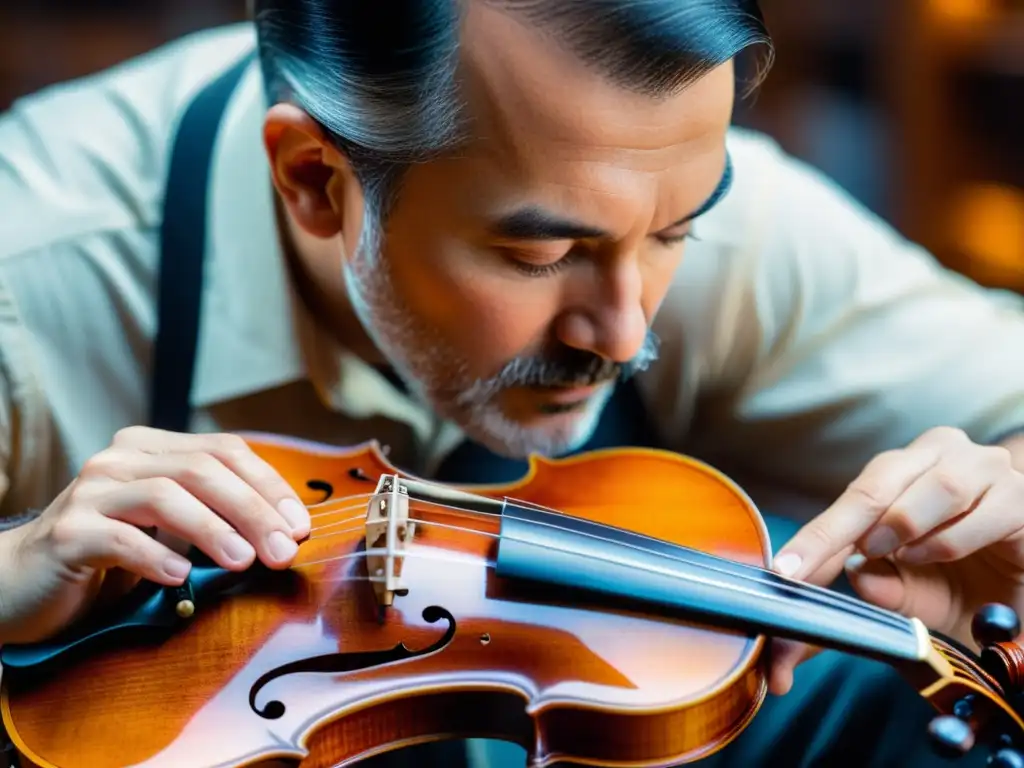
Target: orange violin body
[462, 654]
[399, 623]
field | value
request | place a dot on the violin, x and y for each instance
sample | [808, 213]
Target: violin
[607, 609]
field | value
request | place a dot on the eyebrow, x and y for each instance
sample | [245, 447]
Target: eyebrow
[534, 223]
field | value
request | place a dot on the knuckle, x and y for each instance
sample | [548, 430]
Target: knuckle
[99, 465]
[64, 532]
[996, 456]
[270, 482]
[209, 529]
[230, 446]
[953, 485]
[94, 466]
[882, 461]
[199, 468]
[949, 435]
[129, 435]
[85, 491]
[162, 493]
[254, 514]
[870, 494]
[886, 458]
[821, 536]
[122, 544]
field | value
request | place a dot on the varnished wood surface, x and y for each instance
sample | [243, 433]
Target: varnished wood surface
[564, 679]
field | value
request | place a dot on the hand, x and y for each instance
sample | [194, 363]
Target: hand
[932, 531]
[211, 491]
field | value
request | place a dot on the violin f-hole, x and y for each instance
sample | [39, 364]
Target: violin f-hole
[352, 661]
[323, 487]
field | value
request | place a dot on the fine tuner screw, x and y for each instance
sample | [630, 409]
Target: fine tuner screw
[951, 737]
[995, 628]
[1006, 758]
[184, 601]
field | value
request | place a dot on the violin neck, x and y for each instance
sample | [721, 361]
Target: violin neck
[545, 547]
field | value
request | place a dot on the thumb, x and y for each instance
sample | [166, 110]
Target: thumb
[877, 581]
[785, 657]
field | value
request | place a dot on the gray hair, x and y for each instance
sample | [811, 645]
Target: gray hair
[380, 77]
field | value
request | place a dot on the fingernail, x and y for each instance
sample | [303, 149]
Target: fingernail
[281, 547]
[881, 541]
[788, 563]
[855, 562]
[296, 515]
[177, 567]
[236, 548]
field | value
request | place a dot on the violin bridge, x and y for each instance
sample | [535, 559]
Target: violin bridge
[388, 530]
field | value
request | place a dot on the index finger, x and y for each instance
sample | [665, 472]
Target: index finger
[855, 512]
[234, 452]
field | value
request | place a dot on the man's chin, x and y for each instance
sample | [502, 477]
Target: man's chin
[554, 427]
[544, 407]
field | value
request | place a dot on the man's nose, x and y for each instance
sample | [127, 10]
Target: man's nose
[609, 319]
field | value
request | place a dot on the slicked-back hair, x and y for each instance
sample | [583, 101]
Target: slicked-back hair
[380, 76]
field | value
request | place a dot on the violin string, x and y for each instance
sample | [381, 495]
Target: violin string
[418, 555]
[736, 570]
[361, 516]
[335, 525]
[760, 576]
[816, 595]
[728, 567]
[756, 575]
[429, 553]
[327, 507]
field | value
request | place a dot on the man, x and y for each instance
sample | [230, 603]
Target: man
[460, 230]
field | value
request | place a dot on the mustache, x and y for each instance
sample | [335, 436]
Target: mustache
[566, 367]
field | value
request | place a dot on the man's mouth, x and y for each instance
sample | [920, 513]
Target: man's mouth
[556, 400]
[569, 394]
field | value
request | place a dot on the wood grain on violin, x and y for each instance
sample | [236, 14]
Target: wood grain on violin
[608, 608]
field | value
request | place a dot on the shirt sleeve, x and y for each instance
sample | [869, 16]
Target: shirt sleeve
[848, 340]
[25, 455]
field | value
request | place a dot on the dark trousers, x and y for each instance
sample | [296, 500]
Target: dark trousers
[842, 711]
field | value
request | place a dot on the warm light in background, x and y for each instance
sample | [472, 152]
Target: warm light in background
[960, 10]
[988, 225]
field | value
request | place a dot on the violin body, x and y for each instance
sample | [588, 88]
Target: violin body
[608, 609]
[306, 667]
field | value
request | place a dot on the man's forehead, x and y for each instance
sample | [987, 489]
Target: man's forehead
[525, 91]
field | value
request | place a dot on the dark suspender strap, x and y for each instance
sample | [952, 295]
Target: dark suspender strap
[182, 252]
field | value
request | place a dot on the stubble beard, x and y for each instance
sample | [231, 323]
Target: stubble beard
[440, 379]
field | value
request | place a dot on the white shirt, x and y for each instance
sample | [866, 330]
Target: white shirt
[801, 336]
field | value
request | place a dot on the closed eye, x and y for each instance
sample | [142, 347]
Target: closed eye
[535, 265]
[674, 238]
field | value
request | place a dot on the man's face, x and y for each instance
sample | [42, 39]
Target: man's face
[516, 280]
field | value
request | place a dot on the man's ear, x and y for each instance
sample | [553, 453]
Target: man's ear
[315, 181]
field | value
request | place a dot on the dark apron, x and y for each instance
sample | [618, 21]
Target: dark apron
[182, 243]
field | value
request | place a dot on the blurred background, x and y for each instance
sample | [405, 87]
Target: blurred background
[915, 106]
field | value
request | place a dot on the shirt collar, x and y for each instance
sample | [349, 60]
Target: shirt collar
[250, 316]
